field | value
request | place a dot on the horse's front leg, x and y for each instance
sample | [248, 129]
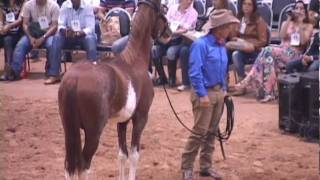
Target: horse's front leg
[123, 152]
[133, 158]
[139, 121]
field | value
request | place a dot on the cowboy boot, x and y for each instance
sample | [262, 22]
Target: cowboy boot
[162, 79]
[172, 67]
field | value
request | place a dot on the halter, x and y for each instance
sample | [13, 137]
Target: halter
[160, 15]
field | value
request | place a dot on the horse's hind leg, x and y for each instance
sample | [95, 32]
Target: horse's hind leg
[139, 121]
[92, 137]
[123, 152]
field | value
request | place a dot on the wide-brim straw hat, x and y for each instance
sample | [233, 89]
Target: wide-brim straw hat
[218, 18]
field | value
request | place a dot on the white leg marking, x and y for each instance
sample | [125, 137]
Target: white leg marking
[68, 176]
[84, 175]
[133, 158]
[122, 158]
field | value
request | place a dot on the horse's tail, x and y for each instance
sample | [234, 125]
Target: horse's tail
[71, 124]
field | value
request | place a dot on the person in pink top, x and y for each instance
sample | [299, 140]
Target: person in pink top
[181, 17]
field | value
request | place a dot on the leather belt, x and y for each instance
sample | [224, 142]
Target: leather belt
[215, 88]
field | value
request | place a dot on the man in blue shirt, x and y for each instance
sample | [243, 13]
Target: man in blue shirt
[207, 69]
[76, 27]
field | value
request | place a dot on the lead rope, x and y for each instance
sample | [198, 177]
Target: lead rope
[222, 137]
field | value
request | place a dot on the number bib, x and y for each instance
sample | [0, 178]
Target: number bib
[295, 39]
[10, 17]
[43, 21]
[75, 25]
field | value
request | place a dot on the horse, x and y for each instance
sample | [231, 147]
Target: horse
[91, 93]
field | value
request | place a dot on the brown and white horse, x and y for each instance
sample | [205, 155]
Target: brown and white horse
[92, 93]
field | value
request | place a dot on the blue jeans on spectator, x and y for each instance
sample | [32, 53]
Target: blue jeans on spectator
[184, 61]
[119, 44]
[240, 59]
[9, 42]
[297, 66]
[88, 43]
[314, 66]
[24, 47]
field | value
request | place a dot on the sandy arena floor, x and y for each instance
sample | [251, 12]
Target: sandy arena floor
[32, 140]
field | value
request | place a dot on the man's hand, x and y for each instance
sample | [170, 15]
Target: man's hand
[38, 42]
[79, 34]
[306, 60]
[204, 101]
[165, 40]
[69, 33]
[4, 29]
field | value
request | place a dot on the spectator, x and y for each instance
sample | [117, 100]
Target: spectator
[106, 5]
[184, 51]
[252, 37]
[295, 36]
[40, 22]
[76, 28]
[10, 29]
[181, 17]
[310, 61]
[208, 63]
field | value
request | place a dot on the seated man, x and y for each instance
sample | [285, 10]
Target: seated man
[76, 28]
[40, 22]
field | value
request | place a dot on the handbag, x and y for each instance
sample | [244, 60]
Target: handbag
[240, 45]
[35, 30]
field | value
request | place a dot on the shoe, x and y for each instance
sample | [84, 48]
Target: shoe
[4, 77]
[52, 80]
[211, 173]
[11, 75]
[182, 87]
[160, 82]
[267, 98]
[187, 175]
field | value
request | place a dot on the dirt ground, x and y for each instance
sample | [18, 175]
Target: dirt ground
[32, 140]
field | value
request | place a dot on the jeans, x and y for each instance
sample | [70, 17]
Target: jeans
[9, 42]
[173, 52]
[24, 47]
[184, 61]
[314, 66]
[88, 43]
[240, 59]
[297, 66]
[119, 44]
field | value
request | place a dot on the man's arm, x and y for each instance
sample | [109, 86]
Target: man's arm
[89, 21]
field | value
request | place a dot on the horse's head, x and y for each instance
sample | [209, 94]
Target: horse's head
[161, 27]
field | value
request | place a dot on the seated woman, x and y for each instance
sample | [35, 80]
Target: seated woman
[310, 61]
[251, 38]
[184, 51]
[181, 17]
[295, 36]
[10, 28]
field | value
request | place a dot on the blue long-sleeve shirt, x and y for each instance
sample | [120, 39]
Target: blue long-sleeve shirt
[84, 14]
[207, 64]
